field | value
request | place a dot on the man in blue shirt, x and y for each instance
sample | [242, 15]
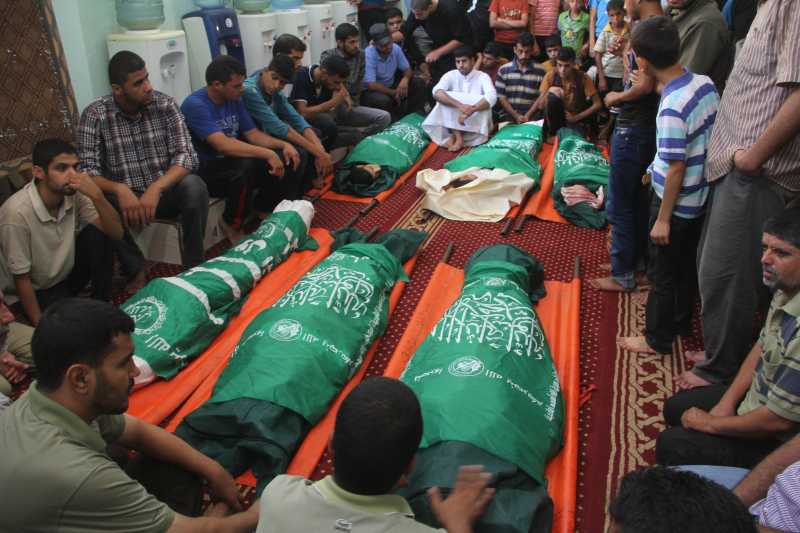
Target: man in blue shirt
[233, 151]
[264, 99]
[319, 95]
[388, 77]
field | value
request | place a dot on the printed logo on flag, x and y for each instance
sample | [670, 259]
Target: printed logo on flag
[466, 366]
[286, 330]
[148, 315]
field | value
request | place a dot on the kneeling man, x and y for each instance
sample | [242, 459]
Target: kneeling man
[463, 113]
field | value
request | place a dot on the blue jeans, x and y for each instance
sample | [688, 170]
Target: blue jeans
[632, 150]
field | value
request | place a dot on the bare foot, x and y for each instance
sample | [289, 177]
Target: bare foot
[458, 143]
[636, 344]
[136, 282]
[449, 143]
[608, 284]
[232, 234]
[640, 297]
[641, 279]
[690, 380]
[606, 267]
[695, 356]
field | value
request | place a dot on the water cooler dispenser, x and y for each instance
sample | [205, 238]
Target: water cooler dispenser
[322, 27]
[295, 21]
[210, 31]
[344, 11]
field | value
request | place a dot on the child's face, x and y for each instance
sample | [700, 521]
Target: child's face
[552, 52]
[394, 24]
[574, 5]
[616, 17]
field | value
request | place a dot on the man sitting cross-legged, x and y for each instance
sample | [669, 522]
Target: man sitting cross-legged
[235, 156]
[463, 113]
[54, 441]
[740, 424]
[377, 433]
[518, 82]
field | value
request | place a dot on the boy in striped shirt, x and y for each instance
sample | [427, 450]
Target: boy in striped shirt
[686, 115]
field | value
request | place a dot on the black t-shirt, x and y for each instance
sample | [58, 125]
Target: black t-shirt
[304, 87]
[641, 112]
[449, 22]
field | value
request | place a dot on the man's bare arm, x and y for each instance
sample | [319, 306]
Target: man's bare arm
[755, 485]
[783, 127]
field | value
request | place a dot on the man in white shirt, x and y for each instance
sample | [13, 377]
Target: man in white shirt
[465, 97]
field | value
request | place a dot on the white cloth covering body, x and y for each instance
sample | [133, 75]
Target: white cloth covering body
[469, 89]
[485, 199]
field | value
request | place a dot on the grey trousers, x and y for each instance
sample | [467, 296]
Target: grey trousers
[189, 199]
[729, 269]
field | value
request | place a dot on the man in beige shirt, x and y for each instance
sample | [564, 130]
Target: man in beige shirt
[56, 474]
[55, 233]
[753, 166]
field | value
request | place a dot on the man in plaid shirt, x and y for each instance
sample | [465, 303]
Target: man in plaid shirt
[136, 145]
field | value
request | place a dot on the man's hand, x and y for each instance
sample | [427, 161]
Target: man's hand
[132, 211]
[432, 57]
[323, 164]
[348, 100]
[584, 50]
[518, 118]
[85, 184]
[290, 156]
[611, 98]
[149, 202]
[660, 233]
[402, 90]
[698, 420]
[11, 368]
[466, 112]
[337, 99]
[223, 487]
[467, 501]
[572, 118]
[275, 164]
[425, 73]
[744, 163]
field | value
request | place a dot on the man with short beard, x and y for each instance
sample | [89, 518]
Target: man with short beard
[56, 474]
[738, 425]
[55, 233]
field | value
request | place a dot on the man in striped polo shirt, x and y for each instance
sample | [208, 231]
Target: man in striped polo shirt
[518, 82]
[685, 117]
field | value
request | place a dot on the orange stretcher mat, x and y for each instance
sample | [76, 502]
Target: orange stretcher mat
[541, 203]
[157, 401]
[312, 448]
[383, 195]
[559, 313]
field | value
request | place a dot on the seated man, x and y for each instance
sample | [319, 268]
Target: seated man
[233, 151]
[294, 47]
[56, 436]
[56, 233]
[663, 500]
[463, 113]
[740, 424]
[378, 430]
[265, 101]
[15, 349]
[518, 82]
[348, 47]
[389, 80]
[319, 95]
[135, 144]
[569, 97]
[491, 60]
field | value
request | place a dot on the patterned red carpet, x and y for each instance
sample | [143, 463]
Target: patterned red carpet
[624, 392]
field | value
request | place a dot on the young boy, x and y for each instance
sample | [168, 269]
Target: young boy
[610, 66]
[685, 119]
[574, 28]
[518, 82]
[508, 18]
[552, 45]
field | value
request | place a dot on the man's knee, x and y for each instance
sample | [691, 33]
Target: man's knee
[193, 192]
[674, 408]
[383, 118]
[673, 447]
